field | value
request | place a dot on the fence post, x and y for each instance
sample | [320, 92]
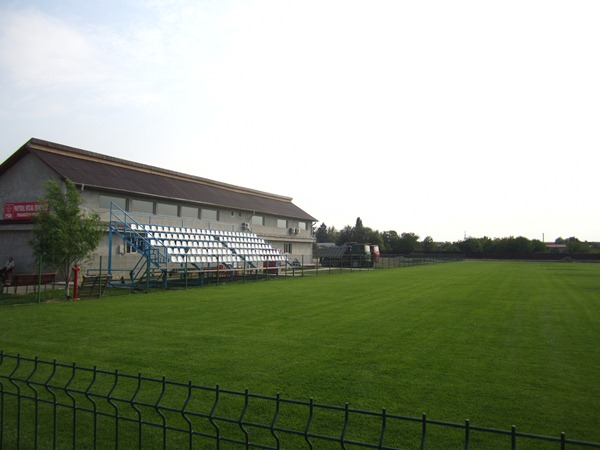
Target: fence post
[39, 292]
[100, 278]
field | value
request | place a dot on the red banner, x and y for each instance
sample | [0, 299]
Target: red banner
[21, 210]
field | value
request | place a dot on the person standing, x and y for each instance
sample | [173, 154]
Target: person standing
[8, 268]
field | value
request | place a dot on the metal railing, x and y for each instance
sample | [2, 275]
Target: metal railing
[306, 265]
[46, 404]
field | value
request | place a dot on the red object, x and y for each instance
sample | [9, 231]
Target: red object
[75, 282]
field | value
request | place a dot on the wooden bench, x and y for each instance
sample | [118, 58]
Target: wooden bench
[93, 285]
[29, 279]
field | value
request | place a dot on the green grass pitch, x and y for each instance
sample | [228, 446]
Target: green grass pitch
[499, 343]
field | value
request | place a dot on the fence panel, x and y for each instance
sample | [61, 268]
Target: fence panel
[46, 404]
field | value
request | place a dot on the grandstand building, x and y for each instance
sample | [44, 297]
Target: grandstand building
[145, 196]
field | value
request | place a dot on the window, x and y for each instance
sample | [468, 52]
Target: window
[302, 225]
[188, 211]
[166, 209]
[142, 206]
[287, 247]
[209, 214]
[281, 223]
[106, 200]
[258, 220]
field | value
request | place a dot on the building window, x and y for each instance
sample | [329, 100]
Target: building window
[209, 214]
[302, 226]
[165, 209]
[287, 247]
[188, 211]
[258, 220]
[142, 206]
[281, 223]
[106, 200]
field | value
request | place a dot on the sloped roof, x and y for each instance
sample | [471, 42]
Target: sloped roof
[107, 173]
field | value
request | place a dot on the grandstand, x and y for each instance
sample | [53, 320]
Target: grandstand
[168, 249]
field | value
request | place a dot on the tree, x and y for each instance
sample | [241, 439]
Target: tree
[538, 246]
[408, 243]
[321, 233]
[470, 245]
[63, 235]
[427, 244]
[390, 241]
[574, 245]
[346, 234]
[359, 224]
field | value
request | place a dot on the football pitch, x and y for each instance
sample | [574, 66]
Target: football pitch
[499, 343]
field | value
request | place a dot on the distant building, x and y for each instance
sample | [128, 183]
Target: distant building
[148, 194]
[556, 248]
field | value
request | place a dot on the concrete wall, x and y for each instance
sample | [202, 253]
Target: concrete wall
[24, 182]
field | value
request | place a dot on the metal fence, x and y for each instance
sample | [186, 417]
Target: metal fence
[298, 266]
[306, 265]
[46, 404]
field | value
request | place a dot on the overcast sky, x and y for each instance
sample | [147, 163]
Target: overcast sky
[441, 118]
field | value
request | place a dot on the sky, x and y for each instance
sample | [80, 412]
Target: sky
[440, 118]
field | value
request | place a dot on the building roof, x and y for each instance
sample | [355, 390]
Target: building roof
[106, 173]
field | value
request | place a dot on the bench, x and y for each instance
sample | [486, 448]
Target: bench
[93, 285]
[29, 279]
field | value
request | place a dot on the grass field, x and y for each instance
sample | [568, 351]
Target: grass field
[499, 343]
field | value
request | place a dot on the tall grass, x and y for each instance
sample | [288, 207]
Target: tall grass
[500, 343]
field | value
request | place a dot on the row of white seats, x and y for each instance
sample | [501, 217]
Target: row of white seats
[258, 252]
[256, 246]
[198, 251]
[191, 239]
[189, 234]
[181, 237]
[223, 252]
[184, 244]
[178, 259]
[205, 237]
[242, 239]
[184, 230]
[192, 245]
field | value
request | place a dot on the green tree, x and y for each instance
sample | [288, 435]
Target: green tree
[427, 244]
[450, 247]
[408, 243]
[574, 245]
[359, 231]
[538, 246]
[321, 233]
[63, 235]
[390, 241]
[470, 245]
[371, 236]
[346, 234]
[326, 234]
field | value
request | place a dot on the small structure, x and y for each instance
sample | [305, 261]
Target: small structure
[556, 248]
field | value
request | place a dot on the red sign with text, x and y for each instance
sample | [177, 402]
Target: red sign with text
[22, 210]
